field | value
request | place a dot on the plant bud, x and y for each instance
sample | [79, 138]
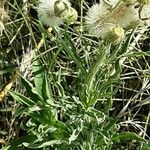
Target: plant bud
[115, 35]
[70, 15]
[59, 7]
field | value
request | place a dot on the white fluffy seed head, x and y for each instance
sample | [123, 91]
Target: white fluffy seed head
[97, 22]
[145, 13]
[101, 17]
[100, 23]
[46, 13]
[54, 12]
[125, 14]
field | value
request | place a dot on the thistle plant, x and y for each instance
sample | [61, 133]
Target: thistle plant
[101, 17]
[51, 13]
[80, 96]
[54, 12]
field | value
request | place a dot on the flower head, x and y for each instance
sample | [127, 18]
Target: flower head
[70, 15]
[127, 15]
[145, 14]
[54, 12]
[61, 6]
[115, 35]
[46, 13]
[97, 21]
[102, 17]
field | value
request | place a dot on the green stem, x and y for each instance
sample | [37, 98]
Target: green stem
[94, 69]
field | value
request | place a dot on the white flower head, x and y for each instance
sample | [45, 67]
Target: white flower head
[102, 17]
[145, 14]
[125, 14]
[47, 11]
[100, 23]
[97, 21]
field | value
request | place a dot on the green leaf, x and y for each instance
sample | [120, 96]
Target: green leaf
[41, 145]
[72, 53]
[110, 124]
[100, 116]
[74, 136]
[135, 54]
[40, 79]
[31, 91]
[22, 99]
[124, 136]
[118, 70]
[95, 68]
[127, 43]
[43, 116]
[52, 62]
[20, 111]
[61, 125]
[146, 146]
[38, 73]
[46, 90]
[17, 143]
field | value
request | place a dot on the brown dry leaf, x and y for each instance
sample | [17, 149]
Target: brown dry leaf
[2, 141]
[7, 87]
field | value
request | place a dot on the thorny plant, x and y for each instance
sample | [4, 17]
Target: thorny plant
[72, 101]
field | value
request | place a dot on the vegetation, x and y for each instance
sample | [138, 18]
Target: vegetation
[69, 90]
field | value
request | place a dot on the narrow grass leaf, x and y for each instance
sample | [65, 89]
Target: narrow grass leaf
[135, 54]
[71, 51]
[127, 43]
[22, 99]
